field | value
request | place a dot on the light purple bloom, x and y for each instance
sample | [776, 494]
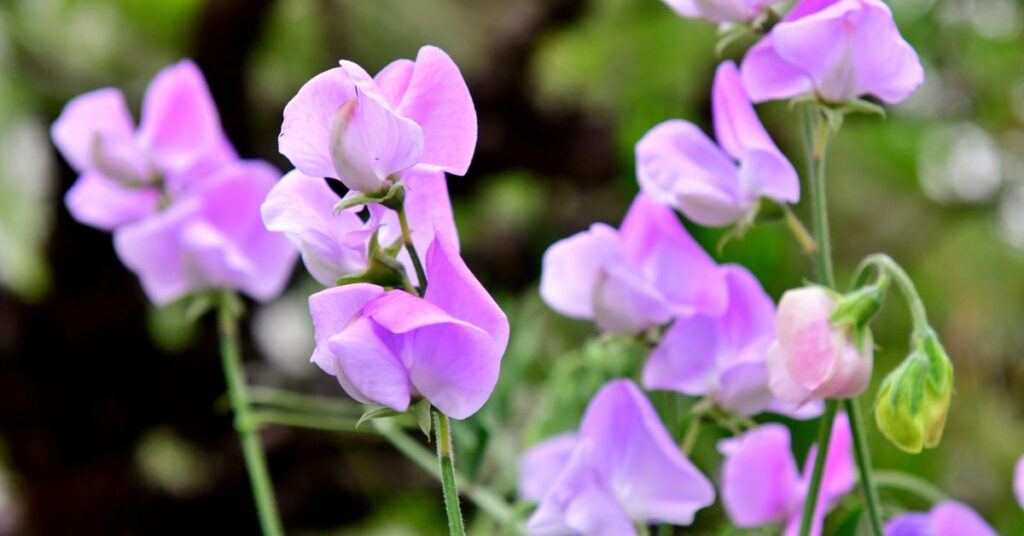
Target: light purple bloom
[723, 357]
[627, 280]
[386, 347]
[836, 49]
[948, 518]
[720, 10]
[210, 238]
[335, 245]
[621, 468]
[712, 184]
[361, 130]
[1018, 481]
[124, 170]
[762, 486]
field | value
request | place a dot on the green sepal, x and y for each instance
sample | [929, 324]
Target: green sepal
[376, 412]
[421, 410]
[392, 197]
[858, 307]
[381, 268]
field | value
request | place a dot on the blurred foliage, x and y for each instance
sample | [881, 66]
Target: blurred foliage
[939, 185]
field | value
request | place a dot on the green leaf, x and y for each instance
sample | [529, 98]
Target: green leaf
[421, 410]
[376, 412]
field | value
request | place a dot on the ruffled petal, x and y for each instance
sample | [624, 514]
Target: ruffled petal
[96, 201]
[152, 249]
[102, 112]
[686, 358]
[306, 130]
[760, 483]
[332, 310]
[571, 267]
[767, 76]
[887, 66]
[366, 366]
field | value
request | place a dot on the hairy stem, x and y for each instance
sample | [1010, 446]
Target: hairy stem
[446, 457]
[255, 461]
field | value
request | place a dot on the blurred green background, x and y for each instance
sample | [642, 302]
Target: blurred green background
[108, 414]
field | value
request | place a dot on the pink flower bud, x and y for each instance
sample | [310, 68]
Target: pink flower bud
[812, 357]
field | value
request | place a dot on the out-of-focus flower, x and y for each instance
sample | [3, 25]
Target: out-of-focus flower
[641, 275]
[723, 357]
[716, 184]
[363, 131]
[1018, 481]
[386, 347]
[914, 398]
[761, 484]
[621, 468]
[124, 172]
[949, 518]
[334, 244]
[837, 50]
[211, 238]
[814, 358]
[720, 10]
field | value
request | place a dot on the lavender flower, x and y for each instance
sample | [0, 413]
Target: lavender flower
[621, 468]
[948, 518]
[638, 276]
[761, 484]
[720, 11]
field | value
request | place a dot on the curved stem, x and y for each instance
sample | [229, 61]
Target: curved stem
[814, 488]
[887, 265]
[255, 462]
[692, 433]
[421, 275]
[863, 456]
[446, 457]
[911, 484]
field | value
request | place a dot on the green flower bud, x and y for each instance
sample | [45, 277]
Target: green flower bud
[857, 308]
[914, 399]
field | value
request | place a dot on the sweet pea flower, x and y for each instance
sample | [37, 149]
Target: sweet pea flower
[211, 238]
[1018, 481]
[949, 518]
[386, 347]
[711, 184]
[723, 357]
[363, 131]
[123, 170]
[621, 468]
[720, 11]
[812, 357]
[633, 278]
[761, 484]
[335, 245]
[837, 50]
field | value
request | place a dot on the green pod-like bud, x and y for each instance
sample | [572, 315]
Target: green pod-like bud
[914, 399]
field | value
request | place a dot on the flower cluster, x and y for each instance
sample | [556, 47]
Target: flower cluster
[183, 208]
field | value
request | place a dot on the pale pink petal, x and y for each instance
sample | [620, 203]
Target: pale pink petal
[102, 113]
[541, 466]
[737, 127]
[95, 200]
[686, 358]
[306, 130]
[767, 76]
[365, 364]
[152, 249]
[760, 483]
[571, 268]
[332, 311]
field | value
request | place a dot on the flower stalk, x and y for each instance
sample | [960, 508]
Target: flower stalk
[245, 423]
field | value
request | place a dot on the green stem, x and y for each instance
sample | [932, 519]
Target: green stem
[302, 402]
[692, 433]
[800, 232]
[814, 489]
[303, 420]
[819, 201]
[445, 456]
[421, 275]
[887, 265]
[863, 455]
[911, 484]
[255, 462]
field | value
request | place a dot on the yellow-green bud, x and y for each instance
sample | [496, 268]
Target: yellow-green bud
[914, 399]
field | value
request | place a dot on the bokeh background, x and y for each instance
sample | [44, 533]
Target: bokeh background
[109, 413]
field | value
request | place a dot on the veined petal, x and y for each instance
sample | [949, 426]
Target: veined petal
[455, 366]
[102, 112]
[306, 130]
[332, 310]
[819, 45]
[366, 366]
[759, 476]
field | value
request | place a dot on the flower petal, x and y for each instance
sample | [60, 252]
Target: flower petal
[887, 66]
[737, 127]
[767, 76]
[366, 366]
[686, 358]
[332, 311]
[952, 518]
[759, 476]
[306, 130]
[152, 249]
[542, 464]
[101, 112]
[96, 201]
[571, 267]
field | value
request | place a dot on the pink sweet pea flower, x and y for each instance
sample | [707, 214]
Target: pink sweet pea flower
[949, 518]
[335, 245]
[812, 358]
[836, 49]
[1018, 481]
[210, 238]
[621, 468]
[386, 347]
[363, 131]
[723, 357]
[124, 170]
[720, 11]
[633, 278]
[761, 484]
[712, 184]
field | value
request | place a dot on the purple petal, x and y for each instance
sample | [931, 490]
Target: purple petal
[1018, 481]
[750, 318]
[737, 127]
[102, 112]
[686, 358]
[366, 366]
[636, 457]
[767, 173]
[887, 66]
[96, 201]
[306, 130]
[909, 525]
[623, 302]
[767, 76]
[436, 97]
[744, 389]
[302, 207]
[332, 310]
[393, 80]
[678, 165]
[760, 484]
[571, 268]
[672, 260]
[951, 518]
[542, 464]
[180, 125]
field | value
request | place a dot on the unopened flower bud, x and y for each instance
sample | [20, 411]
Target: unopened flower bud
[914, 399]
[814, 357]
